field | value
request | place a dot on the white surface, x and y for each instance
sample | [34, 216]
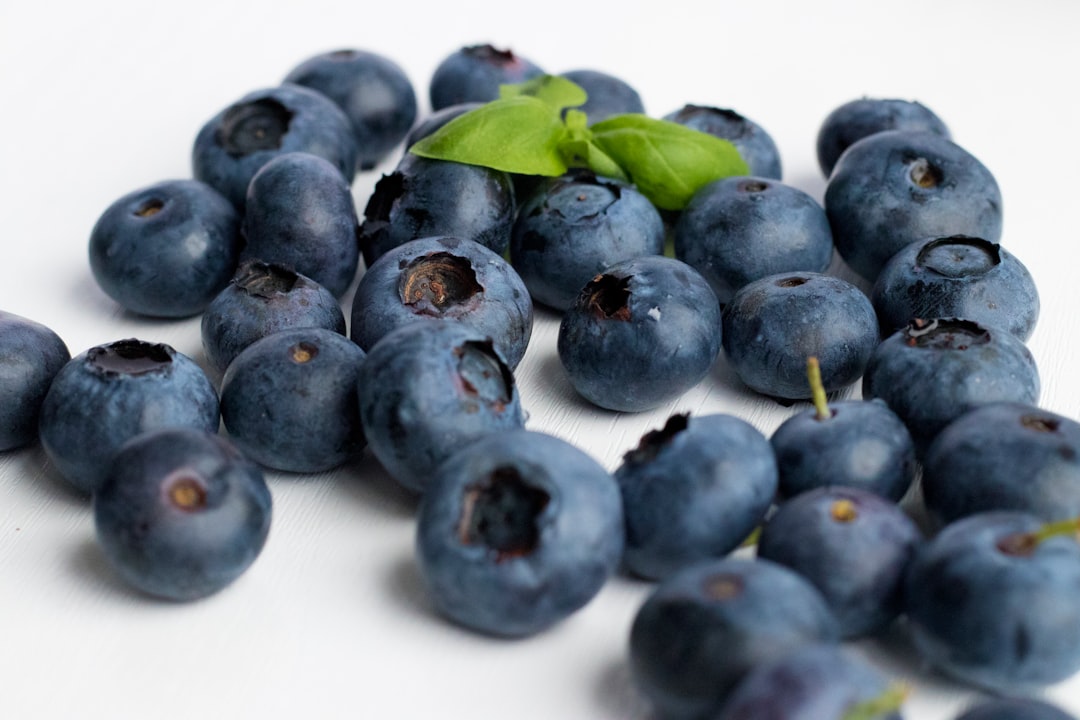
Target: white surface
[104, 97]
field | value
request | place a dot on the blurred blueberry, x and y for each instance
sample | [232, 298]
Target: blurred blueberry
[754, 144]
[517, 531]
[374, 92]
[857, 119]
[31, 355]
[957, 276]
[425, 198]
[300, 213]
[607, 95]
[289, 400]
[444, 278]
[264, 298]
[693, 491]
[436, 120]
[1000, 708]
[933, 371]
[576, 226]
[772, 325]
[426, 390]
[110, 393]
[640, 334]
[181, 513]
[474, 74]
[741, 229]
[853, 545]
[235, 143]
[167, 249]
[894, 188]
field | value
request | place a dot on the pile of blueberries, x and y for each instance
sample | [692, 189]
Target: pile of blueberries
[518, 529]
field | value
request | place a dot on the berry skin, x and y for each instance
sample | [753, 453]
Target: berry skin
[894, 188]
[1014, 709]
[232, 146]
[701, 630]
[426, 390]
[474, 74]
[933, 371]
[956, 276]
[263, 299]
[516, 532]
[31, 355]
[814, 682]
[693, 491]
[861, 444]
[372, 90]
[853, 545]
[110, 393]
[607, 94]
[741, 229]
[640, 334]
[426, 198]
[576, 226]
[167, 249]
[445, 279]
[754, 144]
[300, 213]
[289, 400]
[993, 607]
[772, 325]
[857, 119]
[1004, 456]
[181, 513]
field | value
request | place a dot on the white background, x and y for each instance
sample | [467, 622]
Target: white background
[101, 98]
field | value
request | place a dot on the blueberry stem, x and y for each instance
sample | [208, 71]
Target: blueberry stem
[817, 389]
[752, 539]
[1025, 543]
[887, 702]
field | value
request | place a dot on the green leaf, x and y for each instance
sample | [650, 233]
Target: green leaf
[520, 134]
[668, 162]
[558, 92]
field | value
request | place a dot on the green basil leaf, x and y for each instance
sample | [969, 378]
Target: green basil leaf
[519, 135]
[556, 91]
[667, 162]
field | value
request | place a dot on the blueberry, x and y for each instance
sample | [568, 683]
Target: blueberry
[181, 513]
[853, 545]
[701, 630]
[813, 682]
[110, 393]
[772, 325]
[426, 390]
[896, 187]
[444, 278]
[264, 298]
[289, 400]
[31, 355]
[425, 198]
[474, 74]
[992, 602]
[235, 143]
[1014, 709]
[754, 144]
[300, 212]
[516, 532]
[933, 371]
[858, 444]
[437, 119]
[956, 276]
[577, 226]
[1004, 456]
[167, 249]
[607, 95]
[741, 229]
[640, 334]
[693, 491]
[857, 119]
[374, 92]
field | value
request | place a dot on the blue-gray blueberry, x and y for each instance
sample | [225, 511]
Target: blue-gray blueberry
[865, 116]
[31, 354]
[754, 144]
[474, 73]
[607, 94]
